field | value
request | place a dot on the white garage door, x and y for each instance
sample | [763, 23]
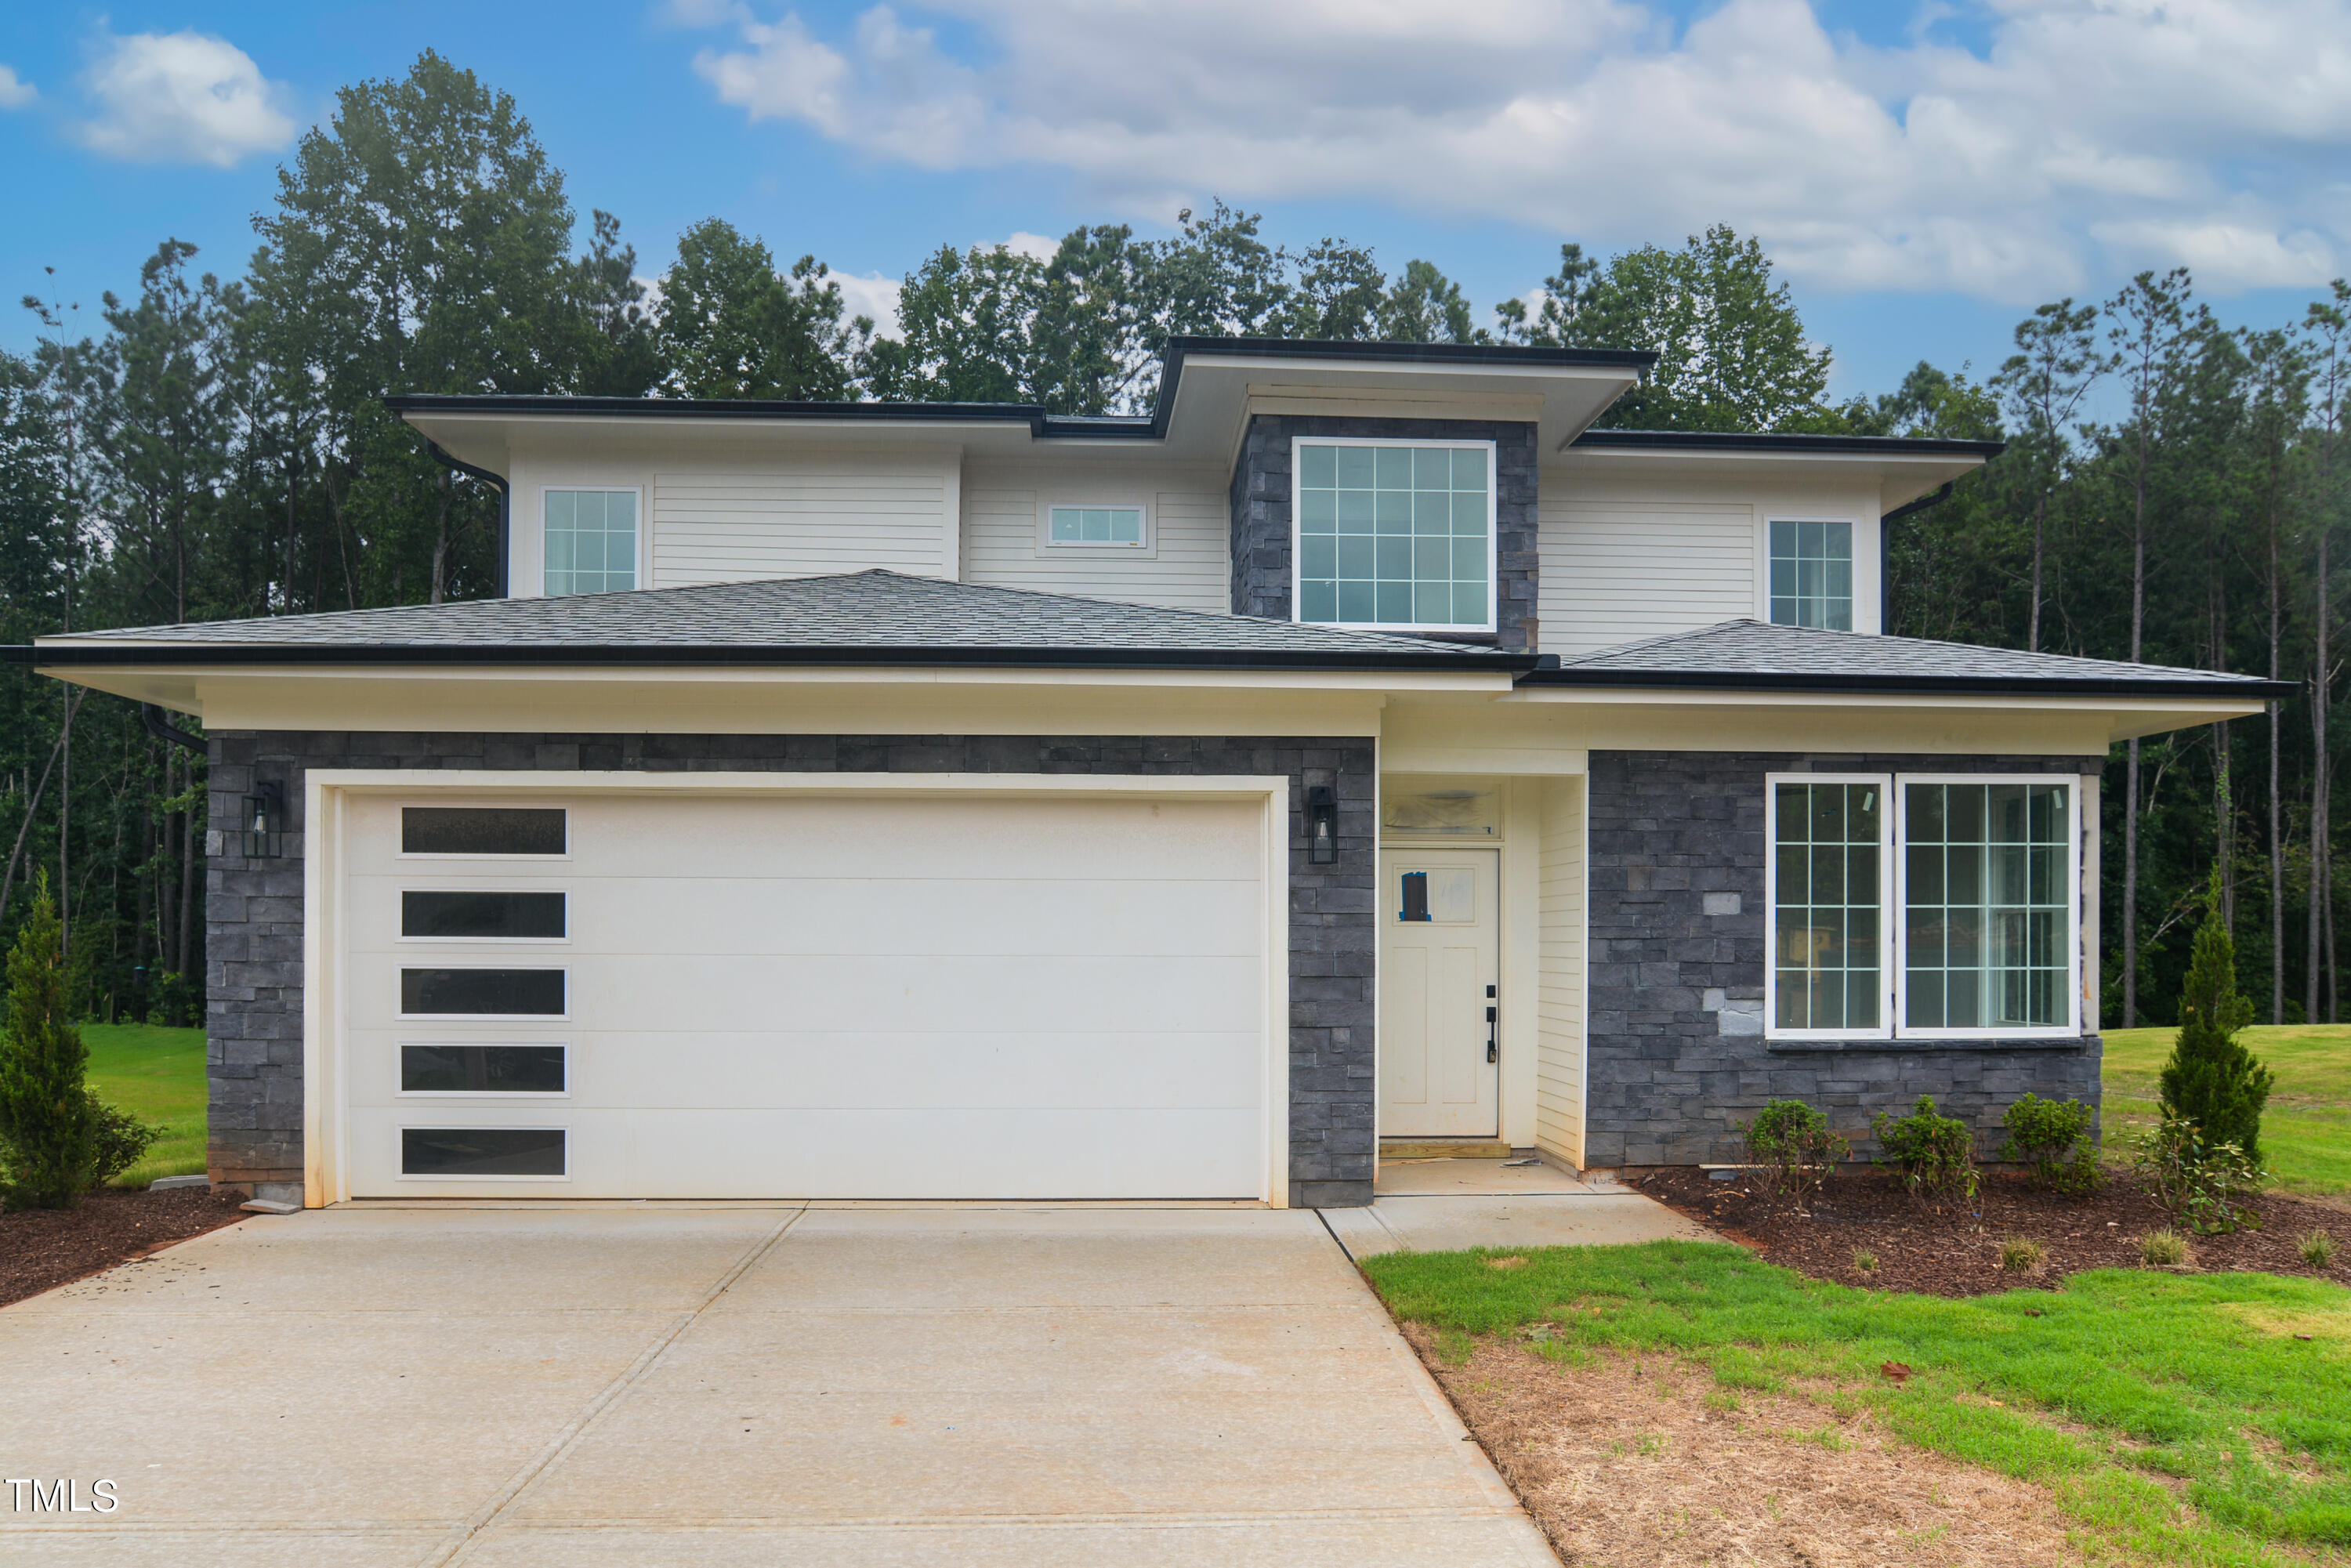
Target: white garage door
[785, 996]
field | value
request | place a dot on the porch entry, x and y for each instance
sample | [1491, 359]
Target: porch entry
[1440, 971]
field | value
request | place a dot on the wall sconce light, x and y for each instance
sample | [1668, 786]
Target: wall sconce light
[265, 820]
[1321, 825]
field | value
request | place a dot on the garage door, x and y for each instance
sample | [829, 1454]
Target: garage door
[804, 996]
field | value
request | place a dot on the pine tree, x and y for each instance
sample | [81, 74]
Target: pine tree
[2211, 1079]
[49, 1119]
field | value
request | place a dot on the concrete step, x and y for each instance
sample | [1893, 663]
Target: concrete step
[1443, 1149]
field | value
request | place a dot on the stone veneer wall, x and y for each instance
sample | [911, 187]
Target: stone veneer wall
[255, 907]
[1261, 509]
[1679, 941]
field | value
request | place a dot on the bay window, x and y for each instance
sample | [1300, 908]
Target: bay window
[1917, 905]
[1394, 535]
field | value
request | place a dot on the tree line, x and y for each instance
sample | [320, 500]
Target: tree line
[215, 446]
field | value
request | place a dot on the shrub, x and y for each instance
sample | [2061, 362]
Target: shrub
[1865, 1259]
[2317, 1249]
[2020, 1256]
[120, 1139]
[2051, 1138]
[2163, 1248]
[1791, 1148]
[1935, 1155]
[49, 1119]
[2210, 1079]
[2205, 1185]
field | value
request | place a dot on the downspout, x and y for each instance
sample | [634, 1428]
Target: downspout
[162, 728]
[1886, 549]
[506, 502]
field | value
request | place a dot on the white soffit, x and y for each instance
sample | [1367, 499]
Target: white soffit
[1901, 477]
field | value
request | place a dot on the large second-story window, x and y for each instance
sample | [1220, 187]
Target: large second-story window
[590, 540]
[1812, 574]
[1395, 534]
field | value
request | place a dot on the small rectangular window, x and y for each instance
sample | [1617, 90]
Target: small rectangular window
[590, 542]
[481, 830]
[482, 1151]
[522, 993]
[468, 917]
[1812, 574]
[1112, 526]
[481, 1069]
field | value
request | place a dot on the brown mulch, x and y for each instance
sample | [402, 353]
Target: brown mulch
[1637, 1462]
[1956, 1253]
[42, 1248]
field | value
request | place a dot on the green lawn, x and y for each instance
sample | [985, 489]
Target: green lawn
[157, 1075]
[2306, 1130]
[2123, 1380]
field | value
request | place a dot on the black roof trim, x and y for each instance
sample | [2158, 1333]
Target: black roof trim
[1406, 353]
[659, 655]
[1757, 441]
[2246, 689]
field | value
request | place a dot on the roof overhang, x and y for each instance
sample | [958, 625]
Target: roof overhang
[1904, 469]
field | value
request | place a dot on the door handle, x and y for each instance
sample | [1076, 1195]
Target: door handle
[1493, 1045]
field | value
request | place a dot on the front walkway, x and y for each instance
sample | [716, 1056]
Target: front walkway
[843, 1384]
[1439, 1206]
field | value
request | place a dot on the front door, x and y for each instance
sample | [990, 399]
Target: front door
[1439, 1013]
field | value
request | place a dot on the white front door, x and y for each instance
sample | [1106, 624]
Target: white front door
[1439, 1013]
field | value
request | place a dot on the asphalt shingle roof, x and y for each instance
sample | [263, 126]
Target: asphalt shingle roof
[876, 612]
[1752, 654]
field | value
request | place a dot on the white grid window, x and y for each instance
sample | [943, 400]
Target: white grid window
[1812, 574]
[1828, 906]
[590, 542]
[1111, 527]
[1395, 535]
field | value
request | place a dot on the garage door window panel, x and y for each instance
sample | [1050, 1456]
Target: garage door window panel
[482, 993]
[537, 831]
[437, 1069]
[534, 1154]
[450, 914]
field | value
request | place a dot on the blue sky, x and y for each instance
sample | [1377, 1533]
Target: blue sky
[1922, 173]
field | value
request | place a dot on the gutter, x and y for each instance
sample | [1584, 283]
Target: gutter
[2246, 689]
[506, 501]
[248, 655]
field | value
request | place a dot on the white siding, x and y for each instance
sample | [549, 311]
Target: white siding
[1185, 568]
[1617, 570]
[715, 525]
[1558, 1054]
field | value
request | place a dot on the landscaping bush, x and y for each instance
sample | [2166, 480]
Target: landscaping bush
[2206, 1185]
[2317, 1249]
[2211, 1080]
[1865, 1259]
[1793, 1150]
[1935, 1155]
[2163, 1248]
[49, 1119]
[2051, 1138]
[2020, 1256]
[118, 1139]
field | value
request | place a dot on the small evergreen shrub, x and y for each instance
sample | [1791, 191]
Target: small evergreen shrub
[2207, 1185]
[120, 1139]
[1935, 1155]
[2020, 1256]
[2165, 1249]
[2051, 1138]
[49, 1118]
[1791, 1145]
[2317, 1249]
[2210, 1079]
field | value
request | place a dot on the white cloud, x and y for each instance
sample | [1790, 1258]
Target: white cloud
[872, 294]
[15, 93]
[2090, 138]
[181, 97]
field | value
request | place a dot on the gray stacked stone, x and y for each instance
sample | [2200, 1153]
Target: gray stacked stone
[1677, 1056]
[1261, 524]
[255, 907]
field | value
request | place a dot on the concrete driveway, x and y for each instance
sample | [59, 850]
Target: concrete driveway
[641, 1384]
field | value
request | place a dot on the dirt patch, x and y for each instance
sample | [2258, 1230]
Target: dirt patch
[1633, 1462]
[43, 1248]
[1958, 1253]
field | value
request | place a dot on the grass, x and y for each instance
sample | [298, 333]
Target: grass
[2306, 1130]
[2176, 1418]
[157, 1075]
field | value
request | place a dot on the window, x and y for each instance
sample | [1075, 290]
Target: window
[1113, 527]
[473, 916]
[481, 830]
[1447, 897]
[481, 1069]
[481, 1151]
[590, 542]
[1982, 876]
[1812, 574]
[1395, 535]
[483, 993]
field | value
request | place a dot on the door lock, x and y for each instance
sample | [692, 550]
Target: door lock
[1493, 1042]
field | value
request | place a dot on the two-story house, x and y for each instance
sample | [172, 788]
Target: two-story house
[874, 800]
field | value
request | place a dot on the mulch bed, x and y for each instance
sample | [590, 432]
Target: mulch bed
[1958, 1254]
[43, 1248]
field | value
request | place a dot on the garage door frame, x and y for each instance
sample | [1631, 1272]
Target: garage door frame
[325, 1111]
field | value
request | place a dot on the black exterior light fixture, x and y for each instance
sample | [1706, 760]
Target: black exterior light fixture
[1321, 825]
[265, 820]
